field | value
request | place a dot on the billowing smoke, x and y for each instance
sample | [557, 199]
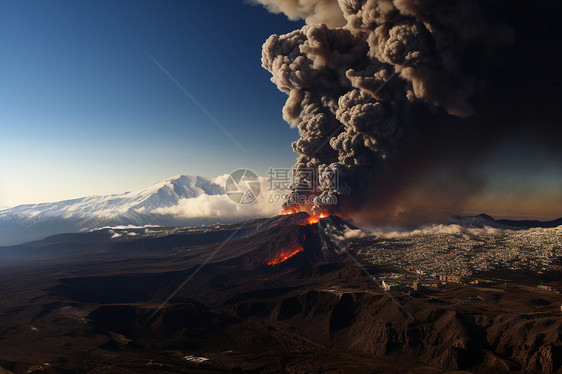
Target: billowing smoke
[313, 11]
[381, 90]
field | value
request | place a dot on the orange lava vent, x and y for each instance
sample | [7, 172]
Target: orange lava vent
[311, 220]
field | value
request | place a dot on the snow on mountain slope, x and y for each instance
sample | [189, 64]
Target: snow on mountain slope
[159, 195]
[35, 221]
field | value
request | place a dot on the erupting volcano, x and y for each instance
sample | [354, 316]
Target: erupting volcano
[294, 246]
[412, 117]
[299, 237]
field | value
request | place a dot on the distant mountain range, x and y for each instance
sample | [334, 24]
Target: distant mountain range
[482, 220]
[36, 221]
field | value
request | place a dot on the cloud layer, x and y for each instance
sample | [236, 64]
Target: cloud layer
[222, 207]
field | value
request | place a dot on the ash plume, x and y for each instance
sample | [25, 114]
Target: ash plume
[405, 96]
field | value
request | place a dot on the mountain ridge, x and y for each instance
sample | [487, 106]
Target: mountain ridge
[483, 219]
[180, 186]
[35, 221]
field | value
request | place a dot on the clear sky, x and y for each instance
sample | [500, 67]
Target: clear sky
[84, 110]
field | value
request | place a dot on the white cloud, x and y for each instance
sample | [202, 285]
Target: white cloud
[220, 206]
[123, 227]
[115, 234]
[395, 233]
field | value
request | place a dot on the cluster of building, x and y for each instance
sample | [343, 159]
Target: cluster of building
[434, 258]
[407, 283]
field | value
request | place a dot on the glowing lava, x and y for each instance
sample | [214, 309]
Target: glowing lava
[284, 255]
[311, 220]
[290, 210]
[317, 216]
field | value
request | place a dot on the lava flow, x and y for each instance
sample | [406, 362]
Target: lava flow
[285, 254]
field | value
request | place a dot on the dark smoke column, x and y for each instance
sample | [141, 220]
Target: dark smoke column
[355, 73]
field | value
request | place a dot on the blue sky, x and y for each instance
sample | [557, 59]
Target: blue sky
[84, 110]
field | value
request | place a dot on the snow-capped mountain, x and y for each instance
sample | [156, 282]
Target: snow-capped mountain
[34, 221]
